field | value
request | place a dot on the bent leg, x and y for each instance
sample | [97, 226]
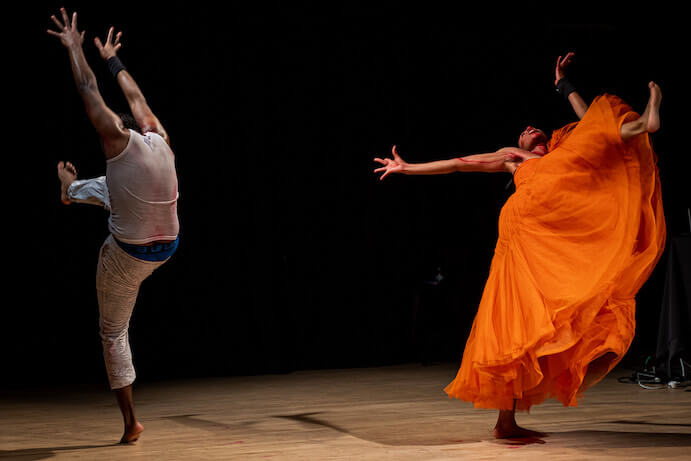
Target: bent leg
[90, 191]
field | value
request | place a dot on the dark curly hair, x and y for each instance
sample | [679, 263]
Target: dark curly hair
[129, 122]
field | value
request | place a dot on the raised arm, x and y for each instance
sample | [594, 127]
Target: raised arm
[141, 111]
[565, 87]
[493, 162]
[106, 122]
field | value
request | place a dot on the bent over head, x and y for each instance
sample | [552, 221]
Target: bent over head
[533, 138]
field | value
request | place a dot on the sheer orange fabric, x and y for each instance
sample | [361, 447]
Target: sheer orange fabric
[577, 240]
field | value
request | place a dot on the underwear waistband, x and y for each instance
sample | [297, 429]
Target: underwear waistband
[151, 252]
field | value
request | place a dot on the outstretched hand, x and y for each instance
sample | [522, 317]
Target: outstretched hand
[394, 165]
[560, 70]
[67, 33]
[111, 46]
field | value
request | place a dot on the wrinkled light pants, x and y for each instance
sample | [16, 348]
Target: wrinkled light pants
[118, 277]
[91, 191]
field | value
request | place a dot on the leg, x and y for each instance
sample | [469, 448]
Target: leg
[506, 427]
[118, 278]
[126, 403]
[90, 191]
[649, 122]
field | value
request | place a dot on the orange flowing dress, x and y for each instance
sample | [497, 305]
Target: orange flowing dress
[577, 240]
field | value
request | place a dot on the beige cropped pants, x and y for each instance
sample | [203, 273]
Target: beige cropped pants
[118, 278]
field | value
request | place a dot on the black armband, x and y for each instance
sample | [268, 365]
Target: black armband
[115, 66]
[565, 88]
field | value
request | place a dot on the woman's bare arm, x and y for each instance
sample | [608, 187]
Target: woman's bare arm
[493, 162]
[575, 99]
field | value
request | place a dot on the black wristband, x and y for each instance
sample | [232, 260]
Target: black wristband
[115, 66]
[565, 88]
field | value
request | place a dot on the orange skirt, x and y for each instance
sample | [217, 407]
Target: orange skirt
[577, 240]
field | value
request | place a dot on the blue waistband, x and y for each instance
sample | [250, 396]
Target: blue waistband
[154, 252]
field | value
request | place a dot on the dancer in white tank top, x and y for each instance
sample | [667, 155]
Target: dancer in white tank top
[140, 189]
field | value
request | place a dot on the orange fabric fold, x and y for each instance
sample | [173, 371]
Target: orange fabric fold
[577, 240]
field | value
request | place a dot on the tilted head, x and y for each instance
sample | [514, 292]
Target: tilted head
[533, 139]
[129, 122]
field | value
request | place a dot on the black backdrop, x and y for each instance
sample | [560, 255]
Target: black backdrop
[293, 255]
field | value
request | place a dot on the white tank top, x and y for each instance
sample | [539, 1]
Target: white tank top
[143, 187]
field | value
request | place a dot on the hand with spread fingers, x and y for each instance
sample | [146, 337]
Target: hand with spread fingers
[68, 33]
[391, 165]
[111, 47]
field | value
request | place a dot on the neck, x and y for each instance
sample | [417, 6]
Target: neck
[540, 149]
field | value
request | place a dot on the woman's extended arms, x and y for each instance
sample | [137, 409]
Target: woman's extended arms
[493, 162]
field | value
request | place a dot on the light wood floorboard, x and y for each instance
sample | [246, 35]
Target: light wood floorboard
[386, 413]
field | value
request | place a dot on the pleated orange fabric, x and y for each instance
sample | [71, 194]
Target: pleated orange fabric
[577, 240]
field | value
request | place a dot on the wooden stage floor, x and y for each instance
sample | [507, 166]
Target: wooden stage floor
[386, 413]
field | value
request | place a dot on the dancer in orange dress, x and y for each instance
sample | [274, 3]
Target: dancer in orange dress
[577, 240]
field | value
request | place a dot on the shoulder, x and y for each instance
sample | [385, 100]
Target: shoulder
[159, 136]
[157, 140]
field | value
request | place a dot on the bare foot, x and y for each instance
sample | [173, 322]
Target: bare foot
[67, 173]
[514, 431]
[652, 110]
[131, 434]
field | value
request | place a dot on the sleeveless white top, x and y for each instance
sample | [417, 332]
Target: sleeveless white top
[143, 188]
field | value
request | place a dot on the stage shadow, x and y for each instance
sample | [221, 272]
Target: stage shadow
[392, 435]
[308, 418]
[204, 424]
[597, 440]
[31, 454]
[643, 423]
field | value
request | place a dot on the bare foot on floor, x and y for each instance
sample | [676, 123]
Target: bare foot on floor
[132, 434]
[652, 110]
[514, 431]
[67, 173]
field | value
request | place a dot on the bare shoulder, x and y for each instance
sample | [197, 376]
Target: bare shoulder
[160, 134]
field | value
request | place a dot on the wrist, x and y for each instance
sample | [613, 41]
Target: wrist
[564, 87]
[115, 65]
[74, 46]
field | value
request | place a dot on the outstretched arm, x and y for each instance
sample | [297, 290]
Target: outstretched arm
[493, 162]
[106, 122]
[141, 111]
[565, 87]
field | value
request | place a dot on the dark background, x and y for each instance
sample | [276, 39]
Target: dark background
[293, 254]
